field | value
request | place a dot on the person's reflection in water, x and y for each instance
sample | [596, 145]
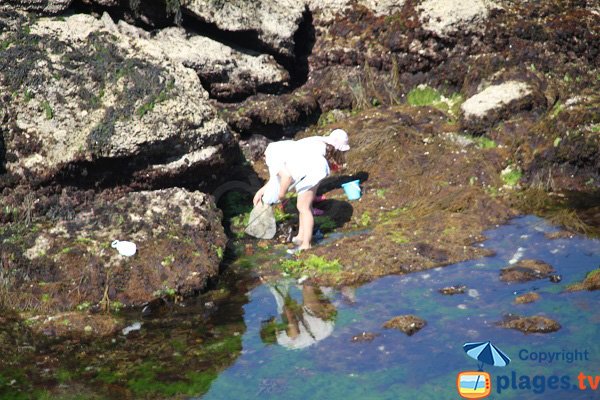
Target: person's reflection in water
[303, 325]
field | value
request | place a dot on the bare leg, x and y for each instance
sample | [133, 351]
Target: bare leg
[307, 221]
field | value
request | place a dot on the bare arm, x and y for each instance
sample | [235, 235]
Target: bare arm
[285, 182]
[258, 196]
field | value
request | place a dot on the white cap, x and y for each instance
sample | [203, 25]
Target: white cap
[338, 138]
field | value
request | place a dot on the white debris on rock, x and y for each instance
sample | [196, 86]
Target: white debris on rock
[494, 97]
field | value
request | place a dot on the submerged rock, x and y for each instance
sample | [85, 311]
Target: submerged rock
[527, 298]
[534, 324]
[526, 270]
[452, 290]
[591, 282]
[364, 337]
[409, 324]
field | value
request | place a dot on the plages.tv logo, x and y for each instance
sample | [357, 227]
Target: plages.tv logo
[478, 384]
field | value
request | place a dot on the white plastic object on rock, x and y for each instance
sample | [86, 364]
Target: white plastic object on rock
[124, 247]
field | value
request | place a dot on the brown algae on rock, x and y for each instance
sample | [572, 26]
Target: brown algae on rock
[527, 298]
[534, 324]
[591, 282]
[526, 270]
[409, 324]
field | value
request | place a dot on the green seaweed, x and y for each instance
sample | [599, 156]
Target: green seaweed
[311, 264]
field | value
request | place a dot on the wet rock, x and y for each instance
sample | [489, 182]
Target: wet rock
[452, 290]
[526, 270]
[555, 278]
[563, 234]
[527, 298]
[91, 101]
[591, 282]
[447, 16]
[534, 324]
[46, 7]
[226, 73]
[75, 324]
[179, 240]
[273, 22]
[364, 337]
[254, 147]
[409, 324]
[272, 116]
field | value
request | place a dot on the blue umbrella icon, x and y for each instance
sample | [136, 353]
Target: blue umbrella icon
[486, 353]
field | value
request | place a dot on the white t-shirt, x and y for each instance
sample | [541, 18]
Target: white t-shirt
[304, 160]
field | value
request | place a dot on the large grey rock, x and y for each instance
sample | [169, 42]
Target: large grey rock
[447, 16]
[49, 7]
[274, 22]
[493, 98]
[228, 73]
[83, 91]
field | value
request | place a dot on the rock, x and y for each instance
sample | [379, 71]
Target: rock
[591, 282]
[535, 324]
[179, 241]
[492, 103]
[89, 100]
[562, 234]
[364, 337]
[527, 298]
[272, 116]
[273, 22]
[254, 147]
[74, 324]
[555, 278]
[46, 7]
[526, 270]
[409, 324]
[328, 9]
[452, 290]
[228, 74]
[445, 17]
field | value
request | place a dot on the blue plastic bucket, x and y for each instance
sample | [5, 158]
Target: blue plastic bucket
[352, 189]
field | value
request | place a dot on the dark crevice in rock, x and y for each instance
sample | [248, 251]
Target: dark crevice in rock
[156, 16]
[136, 172]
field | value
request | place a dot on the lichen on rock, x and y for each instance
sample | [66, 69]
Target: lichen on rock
[83, 91]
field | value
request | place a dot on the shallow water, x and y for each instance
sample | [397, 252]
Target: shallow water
[425, 365]
[221, 349]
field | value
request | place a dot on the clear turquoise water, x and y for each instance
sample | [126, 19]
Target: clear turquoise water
[425, 365]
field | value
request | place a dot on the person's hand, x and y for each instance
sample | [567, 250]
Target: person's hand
[258, 197]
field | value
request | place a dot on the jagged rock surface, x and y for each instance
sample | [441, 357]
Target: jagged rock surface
[179, 240]
[48, 7]
[228, 74]
[83, 92]
[273, 22]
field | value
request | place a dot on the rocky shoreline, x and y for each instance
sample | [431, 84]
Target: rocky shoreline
[119, 122]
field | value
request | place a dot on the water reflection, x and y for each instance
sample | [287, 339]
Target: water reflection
[300, 324]
[425, 365]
